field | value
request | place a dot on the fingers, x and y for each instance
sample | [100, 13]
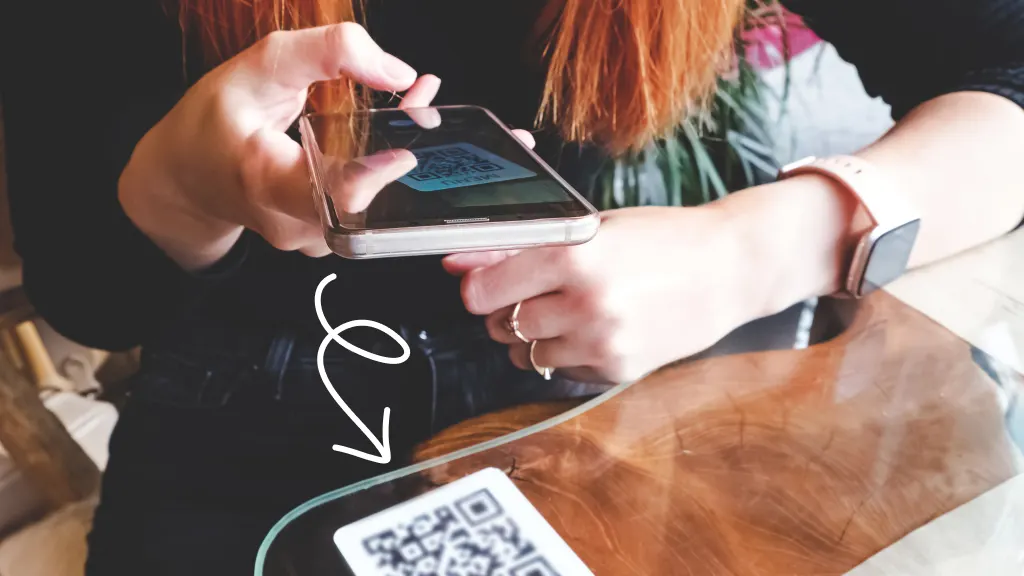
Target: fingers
[417, 101]
[285, 233]
[354, 184]
[289, 234]
[276, 176]
[280, 177]
[459, 264]
[540, 318]
[280, 201]
[525, 137]
[558, 353]
[422, 92]
[294, 59]
[428, 118]
[318, 250]
[514, 279]
[519, 354]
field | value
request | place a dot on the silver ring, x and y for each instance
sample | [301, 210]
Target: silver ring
[513, 324]
[542, 370]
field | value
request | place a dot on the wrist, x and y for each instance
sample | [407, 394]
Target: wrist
[153, 204]
[797, 236]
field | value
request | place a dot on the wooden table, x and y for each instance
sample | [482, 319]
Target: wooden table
[781, 462]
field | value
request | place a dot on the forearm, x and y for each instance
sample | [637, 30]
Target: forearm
[955, 159]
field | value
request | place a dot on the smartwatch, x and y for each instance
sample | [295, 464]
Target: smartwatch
[882, 253]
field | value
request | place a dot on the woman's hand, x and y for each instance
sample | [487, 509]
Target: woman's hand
[655, 285]
[220, 161]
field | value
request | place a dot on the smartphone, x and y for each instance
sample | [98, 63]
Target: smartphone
[436, 180]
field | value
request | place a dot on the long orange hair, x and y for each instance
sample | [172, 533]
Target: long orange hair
[619, 72]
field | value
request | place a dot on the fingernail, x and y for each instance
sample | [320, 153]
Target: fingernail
[432, 79]
[397, 70]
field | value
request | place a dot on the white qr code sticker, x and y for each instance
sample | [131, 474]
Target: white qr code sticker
[480, 525]
[458, 165]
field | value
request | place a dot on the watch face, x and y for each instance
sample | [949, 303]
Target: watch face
[888, 258]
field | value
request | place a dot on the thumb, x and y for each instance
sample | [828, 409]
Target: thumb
[276, 165]
[292, 60]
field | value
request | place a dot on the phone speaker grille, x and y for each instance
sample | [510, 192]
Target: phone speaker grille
[464, 220]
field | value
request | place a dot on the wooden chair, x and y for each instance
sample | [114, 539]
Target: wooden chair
[37, 442]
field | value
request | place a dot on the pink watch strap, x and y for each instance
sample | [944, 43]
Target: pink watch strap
[860, 177]
[876, 194]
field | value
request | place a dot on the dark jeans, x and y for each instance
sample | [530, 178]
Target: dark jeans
[215, 445]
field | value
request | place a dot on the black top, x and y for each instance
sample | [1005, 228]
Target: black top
[82, 83]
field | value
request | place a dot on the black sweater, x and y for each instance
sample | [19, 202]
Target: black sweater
[81, 83]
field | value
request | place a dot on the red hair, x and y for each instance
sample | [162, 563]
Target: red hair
[620, 72]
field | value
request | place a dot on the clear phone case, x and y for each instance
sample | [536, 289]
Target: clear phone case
[347, 172]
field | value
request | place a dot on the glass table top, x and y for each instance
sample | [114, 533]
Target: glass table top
[884, 443]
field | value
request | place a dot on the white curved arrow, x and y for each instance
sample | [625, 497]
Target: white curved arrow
[383, 445]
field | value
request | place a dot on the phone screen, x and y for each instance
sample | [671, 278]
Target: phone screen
[432, 166]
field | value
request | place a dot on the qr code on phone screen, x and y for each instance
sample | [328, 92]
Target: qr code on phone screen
[472, 536]
[457, 165]
[450, 161]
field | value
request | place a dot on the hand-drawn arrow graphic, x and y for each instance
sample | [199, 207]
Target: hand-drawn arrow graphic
[383, 445]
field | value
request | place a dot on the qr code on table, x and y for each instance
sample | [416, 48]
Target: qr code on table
[458, 165]
[473, 536]
[478, 525]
